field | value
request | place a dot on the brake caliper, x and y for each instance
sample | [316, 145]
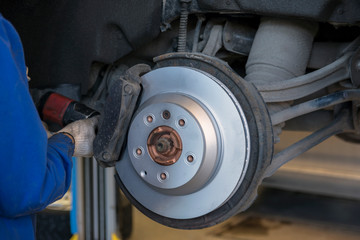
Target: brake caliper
[119, 108]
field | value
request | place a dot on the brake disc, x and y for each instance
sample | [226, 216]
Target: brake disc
[197, 145]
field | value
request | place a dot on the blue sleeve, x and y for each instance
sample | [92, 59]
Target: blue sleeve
[34, 171]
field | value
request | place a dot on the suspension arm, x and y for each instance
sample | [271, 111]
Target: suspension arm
[314, 105]
[338, 125]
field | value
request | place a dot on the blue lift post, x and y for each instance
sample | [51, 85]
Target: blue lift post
[93, 214]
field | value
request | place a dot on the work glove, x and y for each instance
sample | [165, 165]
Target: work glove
[83, 132]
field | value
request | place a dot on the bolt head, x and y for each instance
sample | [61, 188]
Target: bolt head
[163, 145]
[128, 89]
[106, 156]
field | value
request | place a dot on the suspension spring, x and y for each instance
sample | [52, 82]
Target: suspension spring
[183, 25]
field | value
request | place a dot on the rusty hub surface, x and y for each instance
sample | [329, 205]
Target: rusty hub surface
[164, 145]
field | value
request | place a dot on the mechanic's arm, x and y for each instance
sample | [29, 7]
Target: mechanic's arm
[34, 170]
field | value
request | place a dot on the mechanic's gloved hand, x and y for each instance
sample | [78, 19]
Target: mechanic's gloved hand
[84, 134]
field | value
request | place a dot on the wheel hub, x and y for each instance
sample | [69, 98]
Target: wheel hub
[164, 145]
[180, 143]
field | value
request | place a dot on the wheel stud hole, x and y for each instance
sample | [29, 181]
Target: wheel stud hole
[163, 176]
[166, 115]
[150, 119]
[138, 151]
[190, 158]
[181, 122]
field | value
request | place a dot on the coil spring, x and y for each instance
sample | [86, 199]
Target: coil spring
[184, 13]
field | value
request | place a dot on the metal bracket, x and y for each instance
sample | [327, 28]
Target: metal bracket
[215, 41]
[119, 108]
[238, 37]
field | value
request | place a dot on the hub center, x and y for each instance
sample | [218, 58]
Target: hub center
[164, 145]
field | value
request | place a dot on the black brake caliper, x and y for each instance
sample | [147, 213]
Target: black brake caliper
[119, 108]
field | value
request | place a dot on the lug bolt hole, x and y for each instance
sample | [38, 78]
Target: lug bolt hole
[149, 119]
[166, 114]
[138, 151]
[190, 158]
[181, 122]
[163, 176]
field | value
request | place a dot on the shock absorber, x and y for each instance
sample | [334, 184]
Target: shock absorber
[280, 51]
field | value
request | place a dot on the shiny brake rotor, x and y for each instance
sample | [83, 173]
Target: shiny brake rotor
[190, 149]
